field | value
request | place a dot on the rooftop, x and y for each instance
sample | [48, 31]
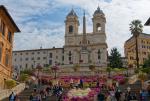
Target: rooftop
[2, 7]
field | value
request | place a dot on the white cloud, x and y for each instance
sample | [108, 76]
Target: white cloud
[119, 13]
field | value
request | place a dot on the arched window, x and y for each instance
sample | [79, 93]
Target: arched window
[99, 54]
[1, 50]
[70, 29]
[98, 27]
[7, 58]
[70, 55]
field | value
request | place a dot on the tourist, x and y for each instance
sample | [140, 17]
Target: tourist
[17, 98]
[144, 95]
[12, 97]
[81, 83]
[97, 84]
[108, 98]
[31, 97]
[128, 96]
[118, 95]
[101, 97]
[71, 82]
[122, 96]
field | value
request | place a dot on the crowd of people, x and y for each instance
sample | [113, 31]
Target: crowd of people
[107, 93]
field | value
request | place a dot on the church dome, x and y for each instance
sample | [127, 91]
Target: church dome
[72, 13]
[98, 11]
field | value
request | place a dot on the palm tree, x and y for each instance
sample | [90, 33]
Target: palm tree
[136, 28]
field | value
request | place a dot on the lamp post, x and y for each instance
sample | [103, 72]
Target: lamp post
[38, 67]
[55, 69]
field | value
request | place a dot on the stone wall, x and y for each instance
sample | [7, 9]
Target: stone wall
[5, 93]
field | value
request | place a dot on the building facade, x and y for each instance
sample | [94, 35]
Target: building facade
[143, 49]
[7, 30]
[79, 48]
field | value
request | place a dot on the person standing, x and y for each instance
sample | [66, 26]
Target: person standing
[12, 97]
[31, 97]
[100, 97]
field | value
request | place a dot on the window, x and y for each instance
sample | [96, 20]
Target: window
[50, 55]
[3, 28]
[63, 50]
[44, 52]
[70, 29]
[20, 66]
[15, 59]
[15, 54]
[62, 58]
[70, 55]
[38, 52]
[26, 65]
[38, 58]
[26, 59]
[32, 58]
[9, 37]
[50, 62]
[32, 52]
[7, 59]
[26, 53]
[69, 58]
[99, 54]
[98, 27]
[44, 57]
[20, 53]
[0, 53]
[32, 66]
[56, 57]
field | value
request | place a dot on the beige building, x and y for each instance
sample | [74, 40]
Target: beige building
[143, 49]
[7, 30]
[80, 48]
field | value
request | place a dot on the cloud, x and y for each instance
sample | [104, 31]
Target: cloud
[38, 22]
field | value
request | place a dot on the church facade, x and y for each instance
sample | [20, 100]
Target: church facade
[79, 48]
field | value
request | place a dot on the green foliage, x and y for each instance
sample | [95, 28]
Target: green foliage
[23, 77]
[115, 59]
[29, 72]
[136, 27]
[10, 83]
[142, 76]
[92, 67]
[108, 69]
[76, 67]
[137, 70]
[147, 63]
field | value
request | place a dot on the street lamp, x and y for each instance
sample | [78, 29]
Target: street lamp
[55, 68]
[38, 67]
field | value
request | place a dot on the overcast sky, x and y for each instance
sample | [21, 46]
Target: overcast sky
[42, 21]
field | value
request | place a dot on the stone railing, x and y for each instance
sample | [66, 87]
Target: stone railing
[5, 93]
[133, 79]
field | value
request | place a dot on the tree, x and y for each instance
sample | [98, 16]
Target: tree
[92, 67]
[146, 63]
[136, 28]
[115, 59]
[23, 77]
[108, 69]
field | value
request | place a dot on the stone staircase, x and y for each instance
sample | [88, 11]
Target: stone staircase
[23, 96]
